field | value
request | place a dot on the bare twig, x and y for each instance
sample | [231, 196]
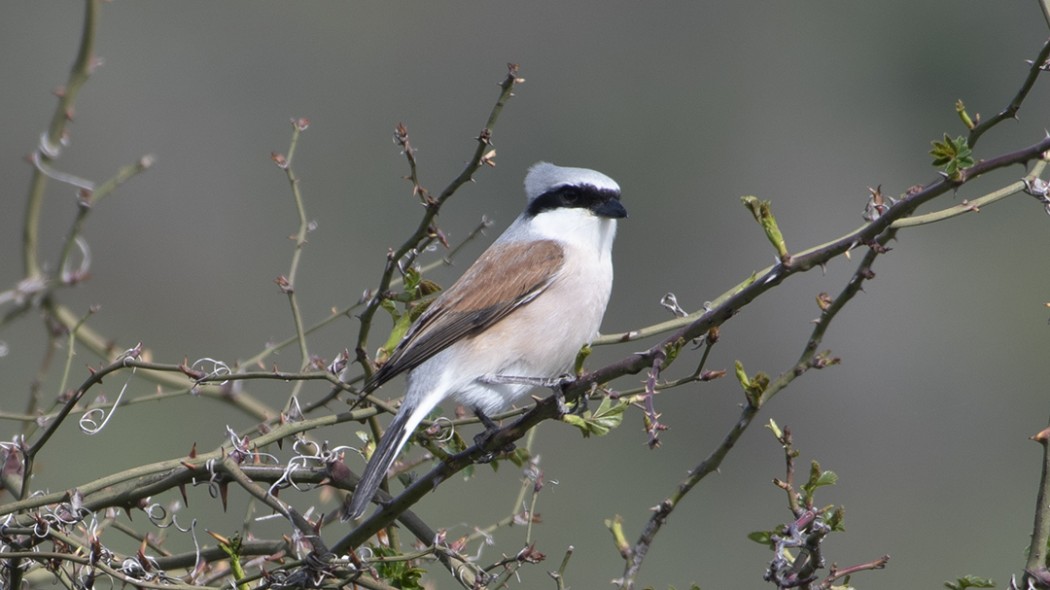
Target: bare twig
[837, 573]
[433, 206]
[1010, 112]
[54, 139]
[287, 283]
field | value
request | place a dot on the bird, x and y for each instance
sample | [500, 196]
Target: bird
[517, 317]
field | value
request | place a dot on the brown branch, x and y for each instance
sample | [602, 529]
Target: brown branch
[838, 573]
[1010, 112]
[874, 232]
[808, 360]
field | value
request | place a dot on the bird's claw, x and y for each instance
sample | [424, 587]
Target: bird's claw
[484, 437]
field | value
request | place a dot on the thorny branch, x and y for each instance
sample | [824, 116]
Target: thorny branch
[798, 546]
[875, 235]
[1036, 572]
[67, 519]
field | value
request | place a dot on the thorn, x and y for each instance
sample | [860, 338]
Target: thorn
[1041, 437]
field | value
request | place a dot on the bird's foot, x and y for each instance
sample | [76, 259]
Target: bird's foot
[555, 384]
[484, 437]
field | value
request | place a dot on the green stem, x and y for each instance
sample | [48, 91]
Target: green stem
[51, 144]
[1041, 528]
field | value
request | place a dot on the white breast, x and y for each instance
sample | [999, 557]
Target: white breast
[540, 339]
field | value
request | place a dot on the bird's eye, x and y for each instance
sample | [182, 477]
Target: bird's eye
[571, 196]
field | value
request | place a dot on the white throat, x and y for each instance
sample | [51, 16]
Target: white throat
[575, 227]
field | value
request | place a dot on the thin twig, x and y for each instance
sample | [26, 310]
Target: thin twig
[51, 143]
[288, 284]
[838, 573]
[89, 200]
[1010, 112]
[433, 205]
[809, 359]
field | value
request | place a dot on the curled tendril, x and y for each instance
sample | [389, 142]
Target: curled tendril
[300, 442]
[277, 579]
[213, 479]
[42, 529]
[286, 477]
[163, 518]
[56, 175]
[446, 429]
[6, 524]
[212, 368]
[157, 514]
[184, 529]
[196, 543]
[64, 515]
[68, 274]
[95, 419]
[242, 450]
[295, 411]
[131, 354]
[131, 568]
[309, 454]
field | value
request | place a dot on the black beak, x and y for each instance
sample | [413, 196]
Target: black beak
[611, 208]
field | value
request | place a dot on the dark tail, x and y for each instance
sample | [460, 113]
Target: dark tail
[386, 451]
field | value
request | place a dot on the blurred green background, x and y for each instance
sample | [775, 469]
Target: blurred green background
[689, 106]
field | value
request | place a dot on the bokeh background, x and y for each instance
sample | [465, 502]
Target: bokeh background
[689, 106]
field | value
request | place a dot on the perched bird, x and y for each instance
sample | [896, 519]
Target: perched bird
[520, 313]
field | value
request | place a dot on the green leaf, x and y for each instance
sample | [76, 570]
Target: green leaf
[818, 478]
[970, 582]
[837, 519]
[762, 211]
[826, 478]
[753, 386]
[762, 538]
[960, 108]
[412, 278]
[400, 574]
[404, 321]
[607, 416]
[519, 457]
[952, 154]
[741, 375]
[777, 432]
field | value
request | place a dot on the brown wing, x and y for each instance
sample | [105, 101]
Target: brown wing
[504, 278]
